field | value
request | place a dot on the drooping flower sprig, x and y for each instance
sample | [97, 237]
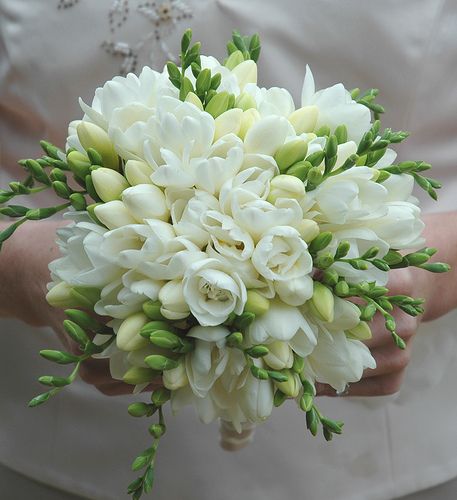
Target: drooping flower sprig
[236, 246]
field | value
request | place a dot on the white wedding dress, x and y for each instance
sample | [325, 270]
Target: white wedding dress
[82, 441]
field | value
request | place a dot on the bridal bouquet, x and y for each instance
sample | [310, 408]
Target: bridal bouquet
[235, 245]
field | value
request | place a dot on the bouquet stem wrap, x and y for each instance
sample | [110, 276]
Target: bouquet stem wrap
[231, 439]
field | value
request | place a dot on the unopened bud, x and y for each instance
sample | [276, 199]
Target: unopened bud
[139, 375]
[113, 214]
[128, 337]
[245, 72]
[218, 104]
[291, 152]
[323, 302]
[286, 186]
[292, 386]
[234, 59]
[160, 363]
[360, 332]
[256, 304]
[108, 183]
[245, 101]
[250, 116]
[137, 172]
[304, 119]
[280, 355]
[93, 136]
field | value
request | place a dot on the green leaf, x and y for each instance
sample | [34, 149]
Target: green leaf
[185, 40]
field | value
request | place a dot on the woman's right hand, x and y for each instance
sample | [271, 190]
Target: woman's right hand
[24, 261]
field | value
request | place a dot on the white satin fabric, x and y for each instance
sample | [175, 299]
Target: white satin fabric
[83, 441]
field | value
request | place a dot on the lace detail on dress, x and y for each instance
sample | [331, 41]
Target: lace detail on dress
[163, 17]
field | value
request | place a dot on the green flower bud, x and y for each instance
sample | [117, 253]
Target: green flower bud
[59, 296]
[139, 375]
[157, 430]
[60, 357]
[342, 289]
[235, 339]
[291, 152]
[50, 149]
[436, 267]
[84, 320]
[234, 59]
[85, 296]
[152, 309]
[244, 320]
[76, 332]
[256, 304]
[299, 364]
[320, 242]
[306, 402]
[257, 351]
[315, 176]
[292, 386]
[323, 131]
[330, 277]
[165, 339]
[153, 326]
[160, 396]
[203, 82]
[78, 201]
[62, 189]
[95, 157]
[93, 136]
[259, 373]
[79, 164]
[324, 260]
[312, 421]
[57, 174]
[52, 381]
[278, 376]
[322, 302]
[218, 104]
[160, 363]
[341, 134]
[316, 158]
[342, 250]
[300, 169]
[368, 312]
[279, 398]
[138, 409]
[38, 172]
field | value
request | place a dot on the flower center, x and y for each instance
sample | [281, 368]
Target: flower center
[213, 292]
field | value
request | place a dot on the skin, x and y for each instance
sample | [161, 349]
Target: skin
[25, 274]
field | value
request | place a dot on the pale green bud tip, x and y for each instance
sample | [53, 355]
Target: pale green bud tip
[323, 302]
[128, 338]
[93, 136]
[139, 375]
[152, 309]
[160, 396]
[234, 59]
[291, 387]
[360, 332]
[160, 363]
[291, 152]
[256, 303]
[218, 104]
[235, 339]
[59, 296]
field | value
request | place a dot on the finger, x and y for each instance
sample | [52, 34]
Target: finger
[389, 359]
[383, 385]
[121, 389]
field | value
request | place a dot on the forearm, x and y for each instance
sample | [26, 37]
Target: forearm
[439, 290]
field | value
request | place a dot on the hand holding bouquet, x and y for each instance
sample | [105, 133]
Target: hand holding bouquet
[236, 246]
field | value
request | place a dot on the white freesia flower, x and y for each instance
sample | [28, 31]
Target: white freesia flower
[82, 263]
[267, 135]
[273, 101]
[350, 195]
[295, 291]
[284, 323]
[336, 107]
[187, 208]
[282, 255]
[213, 291]
[227, 238]
[338, 361]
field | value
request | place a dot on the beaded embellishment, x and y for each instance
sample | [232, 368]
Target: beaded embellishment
[163, 17]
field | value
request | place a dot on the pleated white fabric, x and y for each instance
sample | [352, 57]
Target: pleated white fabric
[83, 441]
